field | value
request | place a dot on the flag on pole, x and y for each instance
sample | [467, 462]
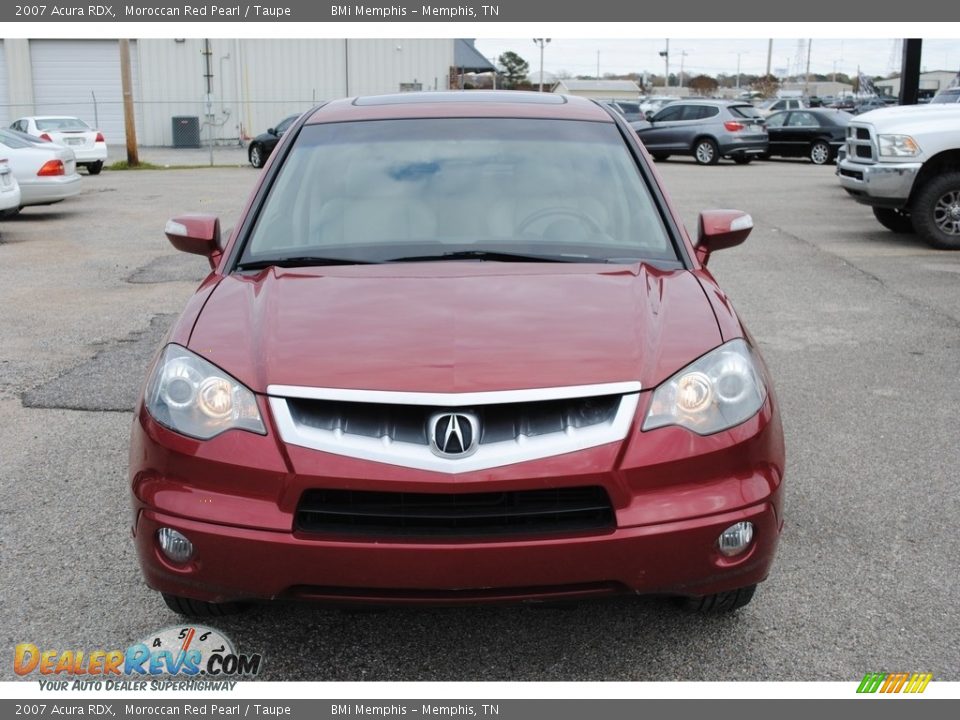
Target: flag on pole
[866, 85]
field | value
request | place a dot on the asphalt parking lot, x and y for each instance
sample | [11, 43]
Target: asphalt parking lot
[860, 327]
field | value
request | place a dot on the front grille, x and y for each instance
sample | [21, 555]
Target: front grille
[859, 144]
[460, 515]
[409, 423]
[855, 174]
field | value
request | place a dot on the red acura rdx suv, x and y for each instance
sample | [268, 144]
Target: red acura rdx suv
[459, 348]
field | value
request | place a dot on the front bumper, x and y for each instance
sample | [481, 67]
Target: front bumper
[881, 184]
[673, 493]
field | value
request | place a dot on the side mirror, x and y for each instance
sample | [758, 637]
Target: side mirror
[649, 115]
[719, 229]
[271, 131]
[197, 234]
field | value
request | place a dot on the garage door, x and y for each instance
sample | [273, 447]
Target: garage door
[82, 78]
[5, 118]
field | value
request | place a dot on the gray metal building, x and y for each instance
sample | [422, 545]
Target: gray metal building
[235, 88]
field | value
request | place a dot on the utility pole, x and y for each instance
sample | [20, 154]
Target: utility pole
[806, 90]
[665, 54]
[769, 54]
[130, 127]
[541, 42]
[683, 54]
[598, 64]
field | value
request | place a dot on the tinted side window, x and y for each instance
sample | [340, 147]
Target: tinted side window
[671, 112]
[775, 121]
[802, 119]
[699, 112]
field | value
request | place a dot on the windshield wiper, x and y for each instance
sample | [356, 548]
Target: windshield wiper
[299, 261]
[498, 256]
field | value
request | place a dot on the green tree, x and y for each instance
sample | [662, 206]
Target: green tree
[515, 69]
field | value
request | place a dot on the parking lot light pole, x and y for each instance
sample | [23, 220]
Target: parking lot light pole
[738, 67]
[665, 54]
[541, 42]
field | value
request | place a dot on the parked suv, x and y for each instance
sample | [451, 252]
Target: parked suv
[779, 104]
[705, 129]
[381, 395]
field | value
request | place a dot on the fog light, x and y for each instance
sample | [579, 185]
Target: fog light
[174, 545]
[735, 539]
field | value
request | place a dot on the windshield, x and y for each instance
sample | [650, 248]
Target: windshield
[61, 124]
[947, 96]
[745, 111]
[386, 190]
[12, 141]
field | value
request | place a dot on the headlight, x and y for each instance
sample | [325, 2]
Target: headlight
[193, 397]
[716, 392]
[898, 146]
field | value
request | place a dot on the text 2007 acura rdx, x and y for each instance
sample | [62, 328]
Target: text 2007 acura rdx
[459, 348]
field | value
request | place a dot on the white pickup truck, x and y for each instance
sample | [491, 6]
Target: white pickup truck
[905, 162]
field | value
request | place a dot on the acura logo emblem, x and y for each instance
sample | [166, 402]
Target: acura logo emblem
[454, 434]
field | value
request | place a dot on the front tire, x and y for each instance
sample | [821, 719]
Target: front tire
[820, 153]
[705, 152]
[894, 220]
[936, 212]
[720, 602]
[200, 609]
[95, 168]
[257, 156]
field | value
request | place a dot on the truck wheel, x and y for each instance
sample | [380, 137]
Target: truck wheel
[936, 212]
[894, 220]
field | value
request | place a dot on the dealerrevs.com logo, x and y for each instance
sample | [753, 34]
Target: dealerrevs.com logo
[909, 683]
[188, 652]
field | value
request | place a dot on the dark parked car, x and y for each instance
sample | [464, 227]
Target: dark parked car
[630, 109]
[873, 103]
[705, 129]
[264, 143]
[381, 395]
[813, 133]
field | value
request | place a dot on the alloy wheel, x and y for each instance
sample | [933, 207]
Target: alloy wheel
[946, 213]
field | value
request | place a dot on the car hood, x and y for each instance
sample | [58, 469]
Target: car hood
[912, 118]
[455, 326]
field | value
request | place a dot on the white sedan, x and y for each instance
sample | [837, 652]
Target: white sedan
[86, 142]
[45, 173]
[9, 189]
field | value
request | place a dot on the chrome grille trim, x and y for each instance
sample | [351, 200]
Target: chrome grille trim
[861, 136]
[488, 455]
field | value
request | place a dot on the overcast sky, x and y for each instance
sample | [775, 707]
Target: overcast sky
[579, 57]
